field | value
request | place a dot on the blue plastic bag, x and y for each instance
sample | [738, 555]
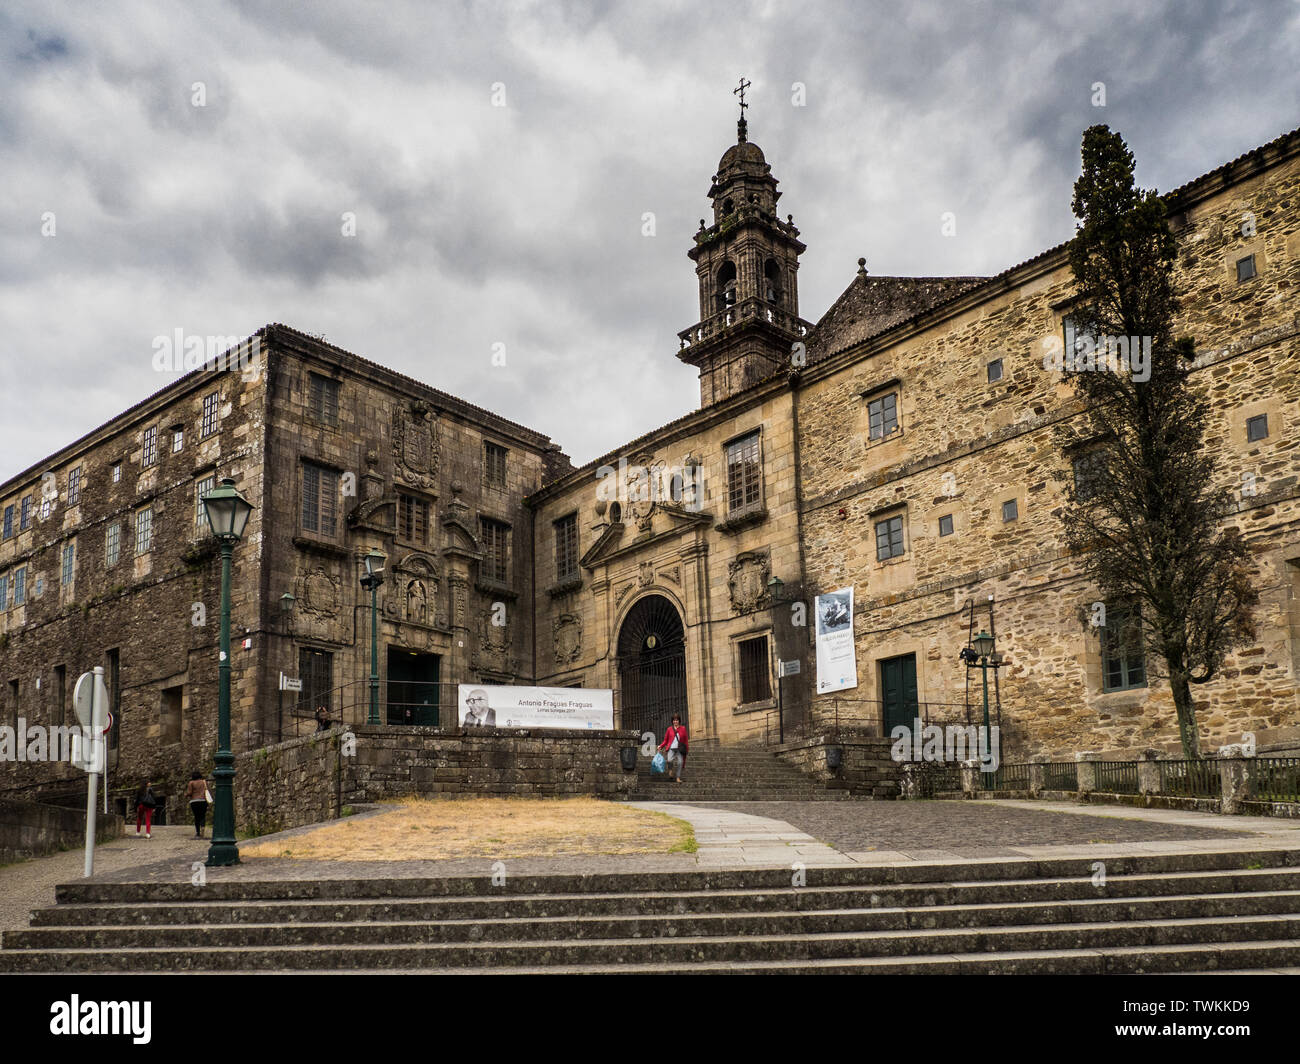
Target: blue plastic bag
[657, 765]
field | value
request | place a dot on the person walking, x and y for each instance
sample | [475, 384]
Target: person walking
[145, 803]
[196, 793]
[676, 744]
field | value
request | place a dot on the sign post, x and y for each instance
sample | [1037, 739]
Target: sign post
[90, 701]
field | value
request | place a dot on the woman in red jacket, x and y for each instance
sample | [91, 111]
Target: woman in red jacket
[676, 744]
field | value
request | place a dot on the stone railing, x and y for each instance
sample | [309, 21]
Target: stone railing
[746, 311]
[1230, 783]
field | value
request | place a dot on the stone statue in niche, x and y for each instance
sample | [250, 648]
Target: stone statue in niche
[417, 602]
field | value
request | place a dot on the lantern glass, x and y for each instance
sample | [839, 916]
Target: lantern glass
[374, 567]
[227, 511]
[983, 644]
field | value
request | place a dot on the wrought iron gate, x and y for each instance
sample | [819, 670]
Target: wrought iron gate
[652, 666]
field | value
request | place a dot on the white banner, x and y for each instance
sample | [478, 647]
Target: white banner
[534, 707]
[837, 659]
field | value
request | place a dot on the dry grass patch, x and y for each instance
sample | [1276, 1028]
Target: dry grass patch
[421, 829]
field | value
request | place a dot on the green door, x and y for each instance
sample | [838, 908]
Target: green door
[898, 685]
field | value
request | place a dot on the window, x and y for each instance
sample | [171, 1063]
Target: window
[566, 548]
[726, 287]
[995, 370]
[60, 694]
[25, 517]
[144, 531]
[755, 670]
[117, 472]
[315, 670]
[882, 416]
[178, 440]
[1257, 428]
[209, 423]
[889, 538]
[20, 586]
[9, 522]
[74, 487]
[112, 544]
[496, 551]
[1010, 511]
[4, 592]
[1089, 474]
[945, 525]
[412, 519]
[47, 507]
[69, 561]
[494, 465]
[744, 474]
[150, 454]
[170, 726]
[320, 489]
[1245, 268]
[323, 399]
[207, 484]
[1123, 664]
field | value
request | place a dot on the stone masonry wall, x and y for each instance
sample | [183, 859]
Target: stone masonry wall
[29, 829]
[290, 784]
[866, 767]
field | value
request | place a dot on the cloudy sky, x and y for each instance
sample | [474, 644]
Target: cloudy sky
[197, 162]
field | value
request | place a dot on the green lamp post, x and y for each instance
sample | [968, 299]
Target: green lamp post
[374, 577]
[984, 648]
[227, 512]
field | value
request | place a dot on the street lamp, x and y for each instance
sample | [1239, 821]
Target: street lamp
[776, 596]
[227, 512]
[984, 645]
[374, 577]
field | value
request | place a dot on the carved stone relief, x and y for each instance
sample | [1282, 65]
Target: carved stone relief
[748, 576]
[568, 638]
[415, 445]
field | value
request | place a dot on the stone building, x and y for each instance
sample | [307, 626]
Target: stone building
[903, 444]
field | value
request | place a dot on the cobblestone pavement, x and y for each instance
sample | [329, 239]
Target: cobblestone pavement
[30, 884]
[939, 830]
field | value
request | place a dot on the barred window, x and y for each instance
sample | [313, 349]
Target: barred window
[755, 670]
[1089, 474]
[150, 455]
[20, 586]
[496, 551]
[112, 544]
[1123, 662]
[74, 487]
[566, 548]
[889, 538]
[144, 531]
[744, 474]
[412, 519]
[323, 399]
[25, 517]
[207, 484]
[494, 465]
[882, 416]
[320, 489]
[316, 671]
[209, 422]
[69, 561]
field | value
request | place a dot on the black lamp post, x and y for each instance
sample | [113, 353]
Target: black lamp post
[227, 512]
[374, 577]
[287, 603]
[775, 589]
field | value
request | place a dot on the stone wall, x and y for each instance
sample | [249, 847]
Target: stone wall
[290, 784]
[866, 767]
[30, 829]
[313, 779]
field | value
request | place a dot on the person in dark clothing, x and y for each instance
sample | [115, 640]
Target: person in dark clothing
[322, 719]
[145, 803]
[196, 793]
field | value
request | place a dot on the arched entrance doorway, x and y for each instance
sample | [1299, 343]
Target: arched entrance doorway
[652, 666]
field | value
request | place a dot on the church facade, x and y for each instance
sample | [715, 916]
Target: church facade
[901, 444]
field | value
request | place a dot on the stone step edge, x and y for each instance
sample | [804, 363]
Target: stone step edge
[900, 873]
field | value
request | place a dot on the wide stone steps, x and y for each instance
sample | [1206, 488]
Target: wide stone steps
[1155, 913]
[724, 774]
[1244, 886]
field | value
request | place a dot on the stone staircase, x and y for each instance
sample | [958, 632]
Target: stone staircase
[731, 774]
[1200, 912]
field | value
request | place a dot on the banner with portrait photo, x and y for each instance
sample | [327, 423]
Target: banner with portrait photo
[481, 705]
[837, 658]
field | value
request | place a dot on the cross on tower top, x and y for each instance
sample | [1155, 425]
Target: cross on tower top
[742, 125]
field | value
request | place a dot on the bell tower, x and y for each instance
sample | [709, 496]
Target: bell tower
[747, 263]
